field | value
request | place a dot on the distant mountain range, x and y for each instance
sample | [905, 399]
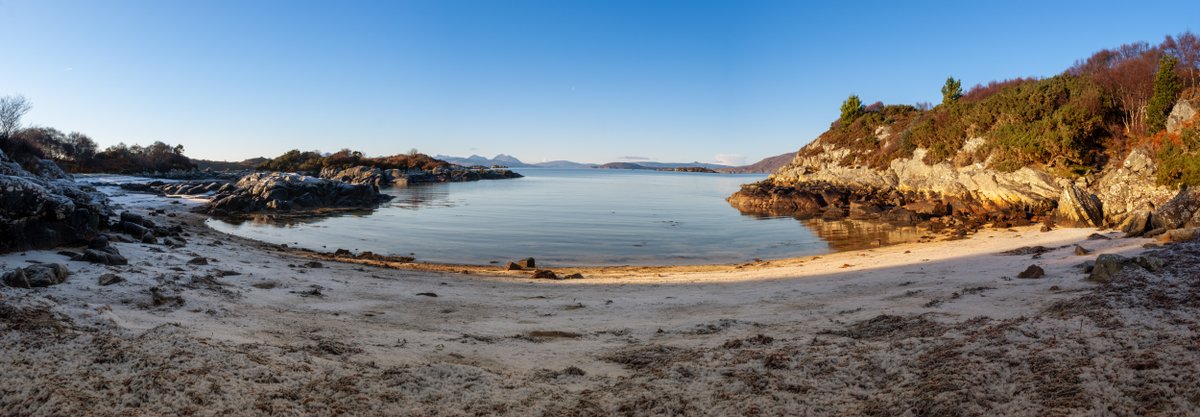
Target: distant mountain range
[766, 166]
[512, 162]
[509, 161]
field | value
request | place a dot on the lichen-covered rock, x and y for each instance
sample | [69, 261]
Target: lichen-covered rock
[1108, 265]
[285, 192]
[45, 209]
[1183, 111]
[1179, 211]
[1138, 222]
[1078, 208]
[1129, 188]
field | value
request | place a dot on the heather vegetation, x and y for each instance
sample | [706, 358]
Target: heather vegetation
[313, 162]
[1069, 124]
[76, 152]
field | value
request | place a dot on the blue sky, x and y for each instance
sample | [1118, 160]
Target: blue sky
[595, 81]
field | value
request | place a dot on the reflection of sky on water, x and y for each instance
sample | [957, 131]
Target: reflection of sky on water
[596, 217]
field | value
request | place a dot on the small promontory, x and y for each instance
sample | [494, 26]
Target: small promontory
[1069, 150]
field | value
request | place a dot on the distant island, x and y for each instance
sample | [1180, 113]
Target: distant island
[764, 166]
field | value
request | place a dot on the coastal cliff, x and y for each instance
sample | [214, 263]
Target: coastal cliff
[834, 177]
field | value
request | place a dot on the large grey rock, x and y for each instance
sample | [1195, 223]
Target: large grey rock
[285, 192]
[1183, 111]
[1179, 211]
[1130, 187]
[40, 275]
[1138, 222]
[1078, 208]
[1108, 265]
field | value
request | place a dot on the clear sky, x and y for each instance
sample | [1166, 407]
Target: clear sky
[598, 81]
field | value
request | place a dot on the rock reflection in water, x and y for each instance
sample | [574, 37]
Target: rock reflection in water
[284, 220]
[419, 197]
[851, 234]
[843, 235]
[407, 198]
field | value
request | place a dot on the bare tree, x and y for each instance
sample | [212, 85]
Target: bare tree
[1127, 73]
[1186, 48]
[12, 108]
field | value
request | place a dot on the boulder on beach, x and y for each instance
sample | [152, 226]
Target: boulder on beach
[1078, 208]
[1179, 212]
[39, 275]
[527, 263]
[545, 274]
[1032, 272]
[1108, 265]
[109, 279]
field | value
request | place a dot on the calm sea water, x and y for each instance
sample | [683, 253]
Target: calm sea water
[566, 216]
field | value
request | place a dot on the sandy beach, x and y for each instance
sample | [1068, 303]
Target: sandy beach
[942, 327]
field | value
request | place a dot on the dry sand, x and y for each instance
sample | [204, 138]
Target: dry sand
[941, 328]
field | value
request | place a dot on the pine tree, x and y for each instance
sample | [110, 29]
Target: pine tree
[1166, 90]
[951, 91]
[851, 109]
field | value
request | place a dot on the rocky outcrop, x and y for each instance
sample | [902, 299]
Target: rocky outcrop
[45, 208]
[1184, 111]
[1129, 192]
[366, 175]
[985, 189]
[816, 181]
[831, 182]
[283, 192]
[382, 178]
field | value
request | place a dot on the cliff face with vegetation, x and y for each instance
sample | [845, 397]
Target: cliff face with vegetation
[1084, 148]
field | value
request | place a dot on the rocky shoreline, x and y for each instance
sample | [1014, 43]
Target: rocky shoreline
[818, 183]
[291, 194]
